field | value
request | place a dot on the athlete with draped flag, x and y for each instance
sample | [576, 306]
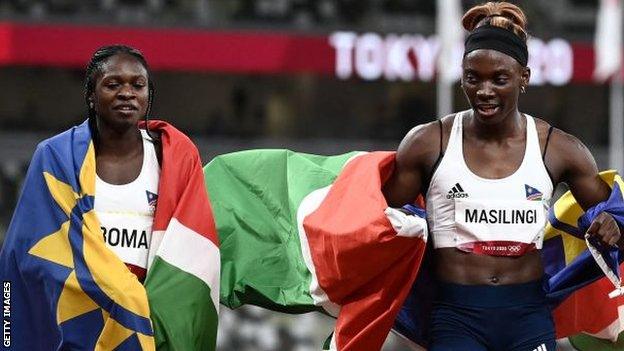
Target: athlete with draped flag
[488, 240]
[297, 237]
[101, 203]
[487, 176]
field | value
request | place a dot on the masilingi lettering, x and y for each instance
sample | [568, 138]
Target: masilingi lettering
[501, 216]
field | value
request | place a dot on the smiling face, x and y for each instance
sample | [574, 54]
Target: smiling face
[492, 81]
[121, 92]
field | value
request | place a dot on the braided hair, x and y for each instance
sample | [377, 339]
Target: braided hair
[95, 67]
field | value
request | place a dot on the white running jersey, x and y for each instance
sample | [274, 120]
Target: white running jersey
[126, 212]
[500, 217]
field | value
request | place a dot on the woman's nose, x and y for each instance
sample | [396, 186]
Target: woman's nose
[126, 91]
[485, 90]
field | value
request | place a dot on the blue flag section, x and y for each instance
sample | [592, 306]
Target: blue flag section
[62, 287]
[607, 257]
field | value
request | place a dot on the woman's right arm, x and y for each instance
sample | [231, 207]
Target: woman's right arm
[415, 159]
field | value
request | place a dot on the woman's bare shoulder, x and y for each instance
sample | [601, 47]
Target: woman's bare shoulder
[423, 143]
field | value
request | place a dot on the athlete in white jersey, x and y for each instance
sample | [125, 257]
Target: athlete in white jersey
[488, 174]
[126, 211]
[502, 217]
[118, 94]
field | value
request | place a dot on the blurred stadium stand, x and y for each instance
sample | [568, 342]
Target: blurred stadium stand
[570, 17]
[306, 109]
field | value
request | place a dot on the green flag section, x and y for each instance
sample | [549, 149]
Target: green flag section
[584, 342]
[302, 232]
[255, 196]
[188, 313]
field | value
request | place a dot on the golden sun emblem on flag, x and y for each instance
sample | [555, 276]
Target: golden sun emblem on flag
[83, 251]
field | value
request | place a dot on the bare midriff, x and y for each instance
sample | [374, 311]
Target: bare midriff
[459, 267]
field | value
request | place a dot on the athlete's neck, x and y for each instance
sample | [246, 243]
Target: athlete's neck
[119, 143]
[509, 126]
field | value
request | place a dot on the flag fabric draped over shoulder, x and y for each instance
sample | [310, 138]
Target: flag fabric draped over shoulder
[69, 291]
[302, 232]
[183, 277]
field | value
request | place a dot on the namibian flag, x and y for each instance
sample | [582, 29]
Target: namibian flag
[68, 291]
[532, 193]
[303, 233]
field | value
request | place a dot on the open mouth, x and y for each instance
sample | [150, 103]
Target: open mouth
[487, 109]
[125, 109]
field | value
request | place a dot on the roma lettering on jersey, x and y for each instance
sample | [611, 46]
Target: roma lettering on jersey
[126, 238]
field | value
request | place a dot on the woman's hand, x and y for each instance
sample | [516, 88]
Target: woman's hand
[605, 228]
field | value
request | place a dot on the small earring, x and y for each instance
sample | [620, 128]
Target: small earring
[91, 104]
[523, 89]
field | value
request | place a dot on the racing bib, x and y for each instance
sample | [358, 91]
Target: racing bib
[499, 227]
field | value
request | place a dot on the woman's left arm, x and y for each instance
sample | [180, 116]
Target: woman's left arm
[573, 164]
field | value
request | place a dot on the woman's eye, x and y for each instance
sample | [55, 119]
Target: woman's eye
[500, 81]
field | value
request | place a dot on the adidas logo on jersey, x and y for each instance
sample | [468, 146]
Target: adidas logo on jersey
[457, 192]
